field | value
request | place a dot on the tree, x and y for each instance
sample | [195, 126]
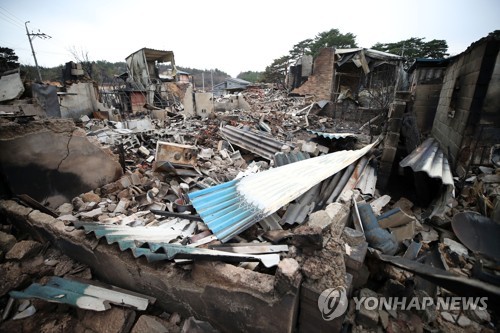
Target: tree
[332, 38]
[301, 48]
[82, 57]
[52, 74]
[250, 76]
[8, 59]
[436, 48]
[415, 47]
[276, 72]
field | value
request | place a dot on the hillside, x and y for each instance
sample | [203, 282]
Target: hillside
[104, 72]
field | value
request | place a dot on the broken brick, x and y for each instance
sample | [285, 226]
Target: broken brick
[149, 324]
[114, 320]
[23, 250]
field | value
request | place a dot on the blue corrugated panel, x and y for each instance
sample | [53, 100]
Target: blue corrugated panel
[224, 211]
[133, 238]
[83, 295]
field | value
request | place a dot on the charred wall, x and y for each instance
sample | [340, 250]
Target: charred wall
[461, 117]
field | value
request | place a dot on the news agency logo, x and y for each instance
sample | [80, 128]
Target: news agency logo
[333, 303]
[418, 304]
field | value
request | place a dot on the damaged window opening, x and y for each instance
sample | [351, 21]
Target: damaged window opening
[150, 204]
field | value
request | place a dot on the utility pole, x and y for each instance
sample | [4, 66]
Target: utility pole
[203, 79]
[212, 78]
[30, 38]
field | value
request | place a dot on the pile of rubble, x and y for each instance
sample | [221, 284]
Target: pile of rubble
[340, 232]
[77, 301]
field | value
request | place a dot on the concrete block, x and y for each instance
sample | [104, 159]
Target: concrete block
[23, 250]
[7, 241]
[204, 104]
[320, 219]
[397, 109]
[352, 236]
[403, 232]
[367, 317]
[388, 155]
[339, 213]
[287, 277]
[354, 256]
[310, 147]
[391, 139]
[308, 237]
[149, 324]
[11, 86]
[394, 125]
[114, 320]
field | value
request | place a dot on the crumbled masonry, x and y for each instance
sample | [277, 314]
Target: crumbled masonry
[154, 206]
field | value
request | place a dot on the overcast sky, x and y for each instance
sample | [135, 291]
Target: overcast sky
[233, 36]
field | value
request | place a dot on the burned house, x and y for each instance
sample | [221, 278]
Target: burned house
[467, 122]
[183, 77]
[230, 86]
[143, 85]
[355, 79]
[77, 97]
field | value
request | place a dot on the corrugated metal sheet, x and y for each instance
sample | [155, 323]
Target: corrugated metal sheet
[287, 158]
[83, 295]
[367, 183]
[134, 238]
[232, 207]
[258, 143]
[334, 135]
[271, 222]
[298, 210]
[429, 158]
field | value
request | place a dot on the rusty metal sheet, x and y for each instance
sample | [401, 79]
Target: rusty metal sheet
[175, 153]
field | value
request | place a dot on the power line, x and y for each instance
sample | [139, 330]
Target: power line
[10, 13]
[11, 21]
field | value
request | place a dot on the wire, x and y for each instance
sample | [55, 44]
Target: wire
[11, 21]
[10, 13]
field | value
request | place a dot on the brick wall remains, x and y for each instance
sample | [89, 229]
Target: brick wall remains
[320, 83]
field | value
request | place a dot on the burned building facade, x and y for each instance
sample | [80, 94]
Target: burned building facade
[367, 77]
[467, 122]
